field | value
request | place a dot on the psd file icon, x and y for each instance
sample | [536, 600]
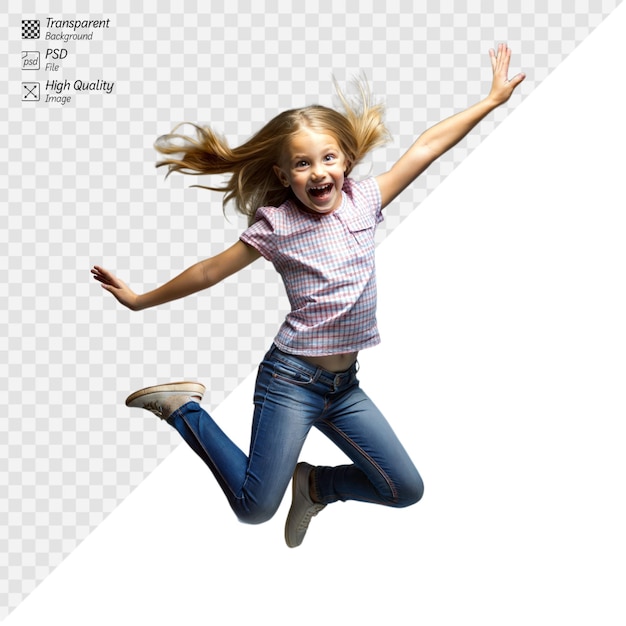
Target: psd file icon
[31, 60]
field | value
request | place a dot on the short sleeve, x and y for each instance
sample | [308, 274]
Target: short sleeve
[366, 196]
[372, 192]
[261, 234]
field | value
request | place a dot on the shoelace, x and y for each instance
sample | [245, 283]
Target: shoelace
[312, 511]
[154, 407]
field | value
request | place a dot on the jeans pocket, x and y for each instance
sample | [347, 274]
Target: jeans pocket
[291, 374]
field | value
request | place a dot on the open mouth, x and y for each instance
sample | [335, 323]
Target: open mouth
[321, 191]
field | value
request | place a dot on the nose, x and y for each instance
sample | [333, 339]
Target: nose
[318, 171]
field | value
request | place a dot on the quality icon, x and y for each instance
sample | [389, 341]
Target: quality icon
[30, 92]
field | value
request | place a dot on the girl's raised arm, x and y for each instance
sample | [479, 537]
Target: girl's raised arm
[195, 278]
[431, 144]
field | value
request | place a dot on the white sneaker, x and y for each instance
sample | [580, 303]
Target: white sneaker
[163, 400]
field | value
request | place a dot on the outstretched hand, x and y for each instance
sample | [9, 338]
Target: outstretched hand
[502, 87]
[120, 290]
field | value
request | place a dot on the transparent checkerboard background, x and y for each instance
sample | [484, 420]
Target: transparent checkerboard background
[78, 187]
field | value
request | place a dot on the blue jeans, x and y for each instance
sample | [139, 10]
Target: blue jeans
[290, 397]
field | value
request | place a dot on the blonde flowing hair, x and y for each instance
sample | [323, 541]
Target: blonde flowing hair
[358, 129]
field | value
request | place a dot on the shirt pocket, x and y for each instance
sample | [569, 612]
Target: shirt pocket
[362, 228]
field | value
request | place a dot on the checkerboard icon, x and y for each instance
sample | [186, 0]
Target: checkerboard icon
[30, 29]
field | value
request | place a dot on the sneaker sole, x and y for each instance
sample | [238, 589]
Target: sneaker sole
[182, 388]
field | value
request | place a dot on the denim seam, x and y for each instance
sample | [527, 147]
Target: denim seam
[253, 441]
[379, 469]
[213, 464]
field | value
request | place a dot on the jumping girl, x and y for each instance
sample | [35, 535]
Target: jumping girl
[316, 225]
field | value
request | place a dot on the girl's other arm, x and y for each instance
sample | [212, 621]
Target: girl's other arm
[195, 278]
[438, 139]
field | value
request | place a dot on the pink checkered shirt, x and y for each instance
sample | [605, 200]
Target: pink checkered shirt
[327, 265]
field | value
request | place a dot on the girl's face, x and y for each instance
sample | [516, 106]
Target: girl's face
[313, 166]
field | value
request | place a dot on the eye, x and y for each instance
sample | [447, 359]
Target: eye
[330, 157]
[301, 164]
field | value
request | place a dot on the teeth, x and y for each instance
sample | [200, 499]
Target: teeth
[320, 189]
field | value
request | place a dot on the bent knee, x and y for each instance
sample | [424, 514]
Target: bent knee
[409, 493]
[256, 514]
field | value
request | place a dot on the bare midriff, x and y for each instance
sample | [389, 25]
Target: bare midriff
[333, 362]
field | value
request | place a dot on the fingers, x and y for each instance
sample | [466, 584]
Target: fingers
[116, 287]
[99, 274]
[517, 79]
[103, 276]
[498, 56]
[500, 59]
[502, 87]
